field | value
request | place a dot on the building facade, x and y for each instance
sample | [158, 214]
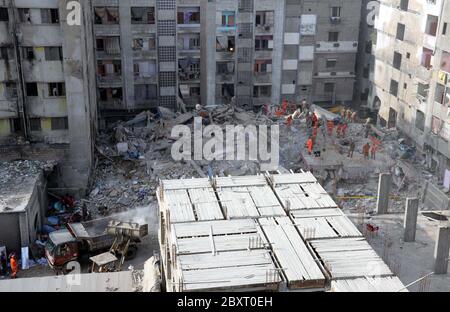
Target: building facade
[46, 74]
[410, 85]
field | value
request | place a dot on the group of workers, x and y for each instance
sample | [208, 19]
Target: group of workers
[13, 263]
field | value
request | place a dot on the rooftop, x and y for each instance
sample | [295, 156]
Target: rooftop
[18, 180]
[278, 232]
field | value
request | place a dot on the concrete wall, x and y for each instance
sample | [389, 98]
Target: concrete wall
[19, 229]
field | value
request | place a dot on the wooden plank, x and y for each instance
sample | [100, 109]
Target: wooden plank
[222, 243]
[205, 204]
[296, 261]
[222, 227]
[227, 278]
[225, 259]
[350, 257]
[368, 284]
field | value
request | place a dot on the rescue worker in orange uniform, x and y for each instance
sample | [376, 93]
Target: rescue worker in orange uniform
[330, 127]
[14, 265]
[366, 149]
[310, 145]
[344, 129]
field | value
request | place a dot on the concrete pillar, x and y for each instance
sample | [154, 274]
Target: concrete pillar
[410, 223]
[384, 188]
[441, 250]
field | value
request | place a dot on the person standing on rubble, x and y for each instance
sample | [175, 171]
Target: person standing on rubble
[330, 127]
[310, 145]
[14, 265]
[373, 151]
[203, 113]
[351, 149]
[344, 129]
[366, 149]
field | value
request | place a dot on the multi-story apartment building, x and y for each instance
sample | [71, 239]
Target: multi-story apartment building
[365, 59]
[410, 84]
[57, 80]
[46, 81]
[270, 51]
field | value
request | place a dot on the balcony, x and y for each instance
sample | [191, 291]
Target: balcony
[5, 37]
[7, 70]
[262, 100]
[264, 29]
[186, 75]
[109, 81]
[262, 77]
[107, 30]
[8, 108]
[111, 104]
[225, 78]
[225, 56]
[108, 55]
[145, 103]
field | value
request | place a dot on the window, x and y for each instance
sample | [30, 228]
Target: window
[186, 16]
[422, 90]
[107, 94]
[109, 68]
[32, 89]
[444, 29]
[262, 91]
[264, 18]
[144, 44]
[263, 66]
[427, 55]
[49, 16]
[228, 19]
[331, 63]
[420, 120]
[145, 91]
[328, 87]
[397, 63]
[439, 96]
[225, 68]
[4, 53]
[445, 61]
[400, 32]
[106, 15]
[53, 54]
[194, 91]
[408, 55]
[432, 25]
[263, 43]
[225, 44]
[4, 16]
[393, 88]
[336, 11]
[142, 15]
[145, 69]
[28, 53]
[56, 89]
[24, 15]
[404, 5]
[60, 123]
[11, 90]
[333, 36]
[35, 124]
[436, 125]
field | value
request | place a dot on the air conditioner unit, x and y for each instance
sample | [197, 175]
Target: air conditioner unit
[335, 19]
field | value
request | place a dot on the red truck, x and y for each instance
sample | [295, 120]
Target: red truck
[81, 241]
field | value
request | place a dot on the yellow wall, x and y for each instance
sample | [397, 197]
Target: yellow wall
[46, 124]
[5, 129]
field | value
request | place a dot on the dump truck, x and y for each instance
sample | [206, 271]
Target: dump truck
[80, 241]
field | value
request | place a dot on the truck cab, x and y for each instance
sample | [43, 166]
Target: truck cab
[61, 248]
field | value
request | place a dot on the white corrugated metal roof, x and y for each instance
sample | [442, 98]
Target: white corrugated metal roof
[95, 282]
